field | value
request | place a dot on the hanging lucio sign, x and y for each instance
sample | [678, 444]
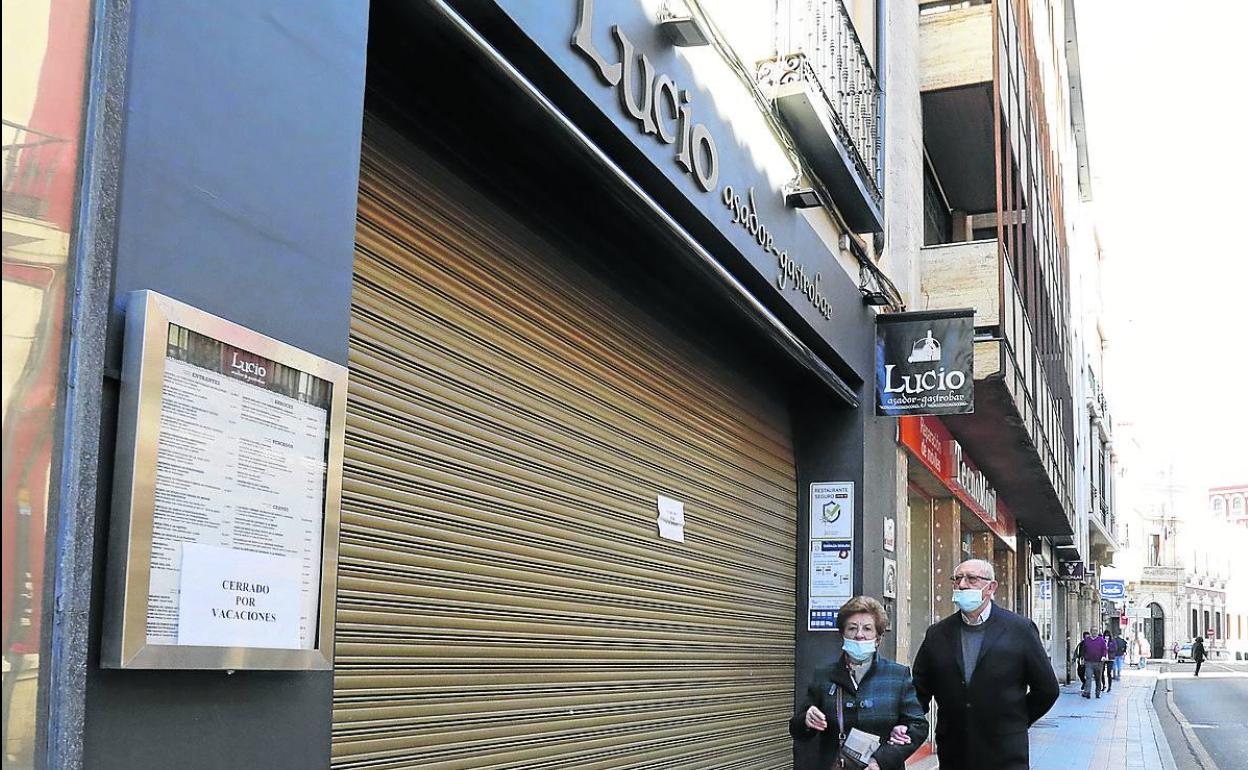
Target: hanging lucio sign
[924, 363]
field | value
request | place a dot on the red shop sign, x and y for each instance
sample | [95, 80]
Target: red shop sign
[929, 441]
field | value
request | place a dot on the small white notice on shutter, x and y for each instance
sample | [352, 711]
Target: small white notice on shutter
[671, 519]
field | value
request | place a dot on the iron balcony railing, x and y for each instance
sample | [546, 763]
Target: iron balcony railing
[31, 161]
[1097, 397]
[816, 41]
[1103, 511]
[1026, 379]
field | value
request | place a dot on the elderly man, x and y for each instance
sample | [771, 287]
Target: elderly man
[986, 668]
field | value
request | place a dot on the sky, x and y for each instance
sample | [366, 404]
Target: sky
[1166, 101]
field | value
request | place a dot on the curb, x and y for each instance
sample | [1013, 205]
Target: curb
[1193, 743]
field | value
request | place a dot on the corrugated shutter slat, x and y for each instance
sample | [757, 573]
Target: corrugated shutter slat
[504, 600]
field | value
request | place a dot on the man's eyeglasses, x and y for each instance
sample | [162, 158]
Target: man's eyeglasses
[971, 580]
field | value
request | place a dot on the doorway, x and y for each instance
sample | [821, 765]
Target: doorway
[1155, 630]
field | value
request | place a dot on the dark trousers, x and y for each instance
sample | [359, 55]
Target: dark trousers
[1092, 672]
[1202, 660]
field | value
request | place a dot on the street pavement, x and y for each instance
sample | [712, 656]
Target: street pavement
[1134, 727]
[1118, 731]
[1205, 718]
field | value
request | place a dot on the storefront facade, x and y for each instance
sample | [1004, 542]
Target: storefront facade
[955, 515]
[564, 302]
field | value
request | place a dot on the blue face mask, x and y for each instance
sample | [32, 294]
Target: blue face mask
[858, 650]
[968, 599]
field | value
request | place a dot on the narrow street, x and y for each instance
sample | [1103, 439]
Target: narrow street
[1205, 719]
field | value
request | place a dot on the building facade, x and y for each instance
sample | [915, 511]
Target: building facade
[578, 259]
[1007, 231]
[1230, 504]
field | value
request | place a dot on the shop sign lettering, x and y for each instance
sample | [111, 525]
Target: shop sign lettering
[662, 109]
[972, 482]
[924, 363]
[792, 275]
[652, 99]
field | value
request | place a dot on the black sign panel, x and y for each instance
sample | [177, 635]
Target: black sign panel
[1070, 570]
[925, 363]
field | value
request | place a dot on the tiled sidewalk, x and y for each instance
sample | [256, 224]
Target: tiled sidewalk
[1118, 731]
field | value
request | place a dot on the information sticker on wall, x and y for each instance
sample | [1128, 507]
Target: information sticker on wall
[831, 557]
[831, 580]
[890, 578]
[831, 510]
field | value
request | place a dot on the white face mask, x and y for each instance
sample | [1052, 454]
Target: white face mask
[968, 599]
[858, 650]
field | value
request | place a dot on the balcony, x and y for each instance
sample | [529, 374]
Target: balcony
[828, 96]
[1161, 574]
[1102, 527]
[1016, 432]
[956, 82]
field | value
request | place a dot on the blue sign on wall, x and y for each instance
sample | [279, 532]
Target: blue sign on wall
[1113, 589]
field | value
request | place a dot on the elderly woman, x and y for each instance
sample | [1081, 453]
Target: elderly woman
[876, 695]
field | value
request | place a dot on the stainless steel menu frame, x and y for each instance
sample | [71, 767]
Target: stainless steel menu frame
[125, 641]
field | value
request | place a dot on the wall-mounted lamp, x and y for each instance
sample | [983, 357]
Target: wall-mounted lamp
[681, 31]
[799, 196]
[875, 298]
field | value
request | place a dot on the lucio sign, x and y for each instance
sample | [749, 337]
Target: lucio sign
[924, 363]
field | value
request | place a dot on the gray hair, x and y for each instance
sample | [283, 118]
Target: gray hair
[986, 565]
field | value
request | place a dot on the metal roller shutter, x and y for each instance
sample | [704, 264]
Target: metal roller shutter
[504, 600]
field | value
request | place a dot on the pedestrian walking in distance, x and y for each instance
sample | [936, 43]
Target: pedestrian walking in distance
[1120, 652]
[1081, 669]
[1198, 653]
[988, 671]
[862, 690]
[1094, 651]
[1107, 664]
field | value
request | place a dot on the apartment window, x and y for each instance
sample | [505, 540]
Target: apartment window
[1219, 506]
[1217, 625]
[1154, 550]
[1195, 623]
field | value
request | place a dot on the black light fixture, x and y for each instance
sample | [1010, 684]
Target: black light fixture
[799, 196]
[874, 298]
[681, 31]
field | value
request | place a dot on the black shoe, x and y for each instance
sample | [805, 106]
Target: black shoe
[1098, 695]
[1084, 694]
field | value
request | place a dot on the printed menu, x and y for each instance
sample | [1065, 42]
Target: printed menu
[241, 464]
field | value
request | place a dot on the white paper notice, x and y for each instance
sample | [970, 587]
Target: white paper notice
[671, 519]
[831, 581]
[832, 510]
[832, 569]
[240, 467]
[232, 598]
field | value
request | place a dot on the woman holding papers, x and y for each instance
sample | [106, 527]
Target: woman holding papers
[863, 707]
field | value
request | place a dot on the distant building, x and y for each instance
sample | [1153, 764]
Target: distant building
[1230, 504]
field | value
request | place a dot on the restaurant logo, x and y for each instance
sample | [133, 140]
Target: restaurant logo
[658, 105]
[925, 363]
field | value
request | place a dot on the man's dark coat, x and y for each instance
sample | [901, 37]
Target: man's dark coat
[982, 725]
